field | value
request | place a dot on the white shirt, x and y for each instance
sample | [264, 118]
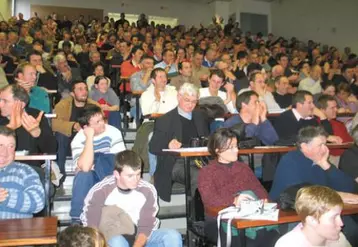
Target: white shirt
[204, 92]
[310, 85]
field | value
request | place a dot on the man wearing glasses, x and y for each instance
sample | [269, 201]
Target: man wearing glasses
[174, 130]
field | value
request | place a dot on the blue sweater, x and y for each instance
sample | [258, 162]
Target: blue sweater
[294, 168]
[263, 131]
[26, 194]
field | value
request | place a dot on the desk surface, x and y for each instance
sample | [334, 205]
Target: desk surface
[36, 157]
[284, 217]
[34, 231]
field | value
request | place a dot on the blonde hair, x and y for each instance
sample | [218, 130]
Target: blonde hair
[315, 201]
[79, 236]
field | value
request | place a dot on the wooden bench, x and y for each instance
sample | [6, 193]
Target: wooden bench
[32, 231]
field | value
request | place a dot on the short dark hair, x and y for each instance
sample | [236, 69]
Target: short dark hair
[18, 93]
[281, 55]
[346, 67]
[328, 84]
[241, 55]
[5, 131]
[136, 48]
[95, 65]
[145, 56]
[344, 87]
[89, 111]
[322, 102]
[73, 86]
[155, 71]
[98, 78]
[127, 158]
[218, 72]
[307, 134]
[244, 98]
[218, 141]
[166, 51]
[33, 53]
[253, 75]
[299, 97]
[200, 52]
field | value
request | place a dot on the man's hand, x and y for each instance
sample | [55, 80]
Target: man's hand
[318, 113]
[174, 144]
[261, 91]
[334, 139]
[89, 132]
[31, 124]
[105, 107]
[229, 88]
[157, 95]
[77, 127]
[15, 117]
[26, 85]
[321, 159]
[3, 194]
[203, 77]
[263, 111]
[40, 69]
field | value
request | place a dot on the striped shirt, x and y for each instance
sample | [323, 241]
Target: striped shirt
[110, 141]
[26, 195]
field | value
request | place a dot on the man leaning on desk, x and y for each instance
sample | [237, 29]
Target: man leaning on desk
[21, 191]
[174, 130]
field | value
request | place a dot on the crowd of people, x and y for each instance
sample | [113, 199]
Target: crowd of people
[195, 78]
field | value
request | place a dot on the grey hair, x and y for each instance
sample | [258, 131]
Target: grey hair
[190, 89]
[58, 58]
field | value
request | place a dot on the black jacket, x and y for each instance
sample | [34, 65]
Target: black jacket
[166, 128]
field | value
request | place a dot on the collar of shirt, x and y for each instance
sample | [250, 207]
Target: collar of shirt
[187, 115]
[298, 115]
[134, 63]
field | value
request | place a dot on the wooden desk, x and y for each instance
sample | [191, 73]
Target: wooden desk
[33, 231]
[47, 158]
[284, 217]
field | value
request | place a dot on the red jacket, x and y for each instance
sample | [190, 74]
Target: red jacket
[127, 70]
[339, 129]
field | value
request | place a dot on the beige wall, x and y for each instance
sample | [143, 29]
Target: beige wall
[5, 9]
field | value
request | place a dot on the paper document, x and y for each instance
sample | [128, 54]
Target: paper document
[251, 210]
[179, 150]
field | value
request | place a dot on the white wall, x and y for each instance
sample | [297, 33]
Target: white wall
[5, 9]
[188, 13]
[332, 22]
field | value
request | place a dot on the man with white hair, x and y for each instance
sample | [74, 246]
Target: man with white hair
[174, 130]
[65, 75]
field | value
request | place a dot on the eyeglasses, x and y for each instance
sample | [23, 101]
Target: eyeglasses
[188, 101]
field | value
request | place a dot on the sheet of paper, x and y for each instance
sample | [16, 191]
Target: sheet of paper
[179, 150]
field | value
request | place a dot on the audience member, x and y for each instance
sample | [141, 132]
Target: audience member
[141, 80]
[346, 99]
[200, 72]
[79, 236]
[98, 71]
[185, 75]
[281, 94]
[168, 63]
[313, 82]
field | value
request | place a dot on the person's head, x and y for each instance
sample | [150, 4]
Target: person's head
[302, 101]
[185, 68]
[137, 53]
[95, 57]
[35, 58]
[319, 209]
[159, 78]
[242, 57]
[329, 88]
[281, 84]
[168, 56]
[92, 117]
[60, 62]
[79, 91]
[328, 105]
[348, 72]
[247, 102]
[312, 141]
[147, 62]
[25, 75]
[101, 83]
[98, 69]
[222, 145]
[277, 70]
[316, 72]
[216, 79]
[198, 58]
[7, 146]
[188, 96]
[127, 170]
[9, 95]
[257, 81]
[210, 55]
[282, 60]
[343, 91]
[79, 236]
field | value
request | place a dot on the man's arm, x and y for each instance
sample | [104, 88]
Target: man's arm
[59, 123]
[46, 141]
[83, 156]
[29, 199]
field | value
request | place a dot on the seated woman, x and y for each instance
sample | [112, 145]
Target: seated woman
[346, 99]
[108, 100]
[98, 71]
[226, 181]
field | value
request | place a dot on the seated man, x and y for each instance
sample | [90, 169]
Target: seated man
[140, 80]
[168, 63]
[21, 191]
[132, 66]
[253, 114]
[319, 208]
[303, 113]
[309, 164]
[348, 161]
[174, 130]
[216, 81]
[65, 124]
[137, 201]
[185, 75]
[33, 132]
[158, 98]
[313, 82]
[281, 95]
[328, 105]
[199, 72]
[90, 152]
[258, 84]
[25, 76]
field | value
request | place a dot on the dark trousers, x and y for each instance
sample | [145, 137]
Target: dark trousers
[114, 119]
[63, 147]
[178, 175]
